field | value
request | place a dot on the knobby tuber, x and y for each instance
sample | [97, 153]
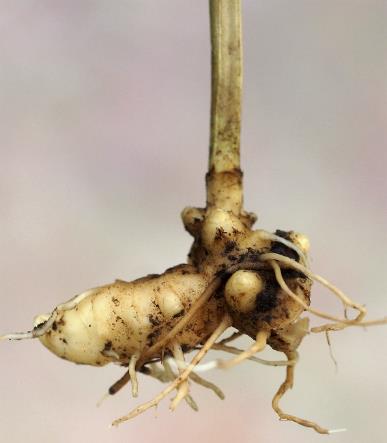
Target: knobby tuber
[255, 281]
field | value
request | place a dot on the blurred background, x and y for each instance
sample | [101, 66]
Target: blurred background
[104, 122]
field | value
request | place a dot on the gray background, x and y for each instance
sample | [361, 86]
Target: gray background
[103, 140]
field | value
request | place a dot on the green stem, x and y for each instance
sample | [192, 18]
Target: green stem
[224, 180]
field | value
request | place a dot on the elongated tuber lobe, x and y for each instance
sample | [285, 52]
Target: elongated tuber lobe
[116, 321]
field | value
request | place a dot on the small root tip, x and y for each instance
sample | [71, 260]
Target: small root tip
[220, 394]
[176, 401]
[102, 399]
[191, 403]
[195, 408]
[204, 367]
[336, 431]
[18, 336]
[225, 364]
[221, 364]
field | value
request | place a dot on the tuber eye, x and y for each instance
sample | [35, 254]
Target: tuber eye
[241, 290]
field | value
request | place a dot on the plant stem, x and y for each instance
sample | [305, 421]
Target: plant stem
[225, 16]
[224, 179]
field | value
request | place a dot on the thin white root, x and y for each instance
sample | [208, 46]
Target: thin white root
[286, 385]
[266, 235]
[102, 399]
[296, 298]
[199, 380]
[336, 431]
[258, 346]
[340, 294]
[191, 403]
[330, 350]
[18, 336]
[207, 384]
[183, 388]
[46, 325]
[167, 375]
[236, 351]
[182, 392]
[341, 323]
[231, 338]
[164, 375]
[38, 331]
[223, 325]
[132, 373]
[204, 367]
[338, 326]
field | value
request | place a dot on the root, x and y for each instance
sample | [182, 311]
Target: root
[330, 350]
[338, 326]
[207, 384]
[164, 375]
[132, 373]
[296, 298]
[191, 403]
[167, 375]
[38, 331]
[196, 379]
[224, 324]
[286, 385]
[183, 388]
[46, 325]
[201, 381]
[340, 323]
[258, 346]
[232, 337]
[119, 384]
[276, 238]
[347, 302]
[236, 351]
